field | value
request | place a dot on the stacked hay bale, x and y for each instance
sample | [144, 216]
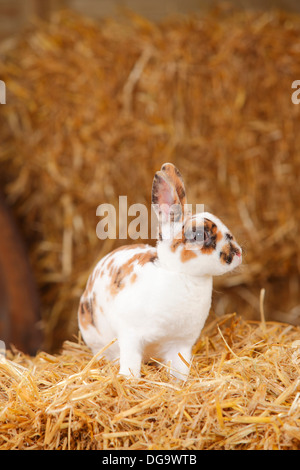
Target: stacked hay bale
[93, 110]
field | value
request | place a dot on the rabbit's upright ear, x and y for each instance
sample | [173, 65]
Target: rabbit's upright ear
[175, 178]
[168, 194]
[165, 200]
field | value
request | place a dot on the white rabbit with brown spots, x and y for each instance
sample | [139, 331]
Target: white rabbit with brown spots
[155, 301]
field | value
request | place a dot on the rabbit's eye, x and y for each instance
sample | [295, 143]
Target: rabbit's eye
[196, 235]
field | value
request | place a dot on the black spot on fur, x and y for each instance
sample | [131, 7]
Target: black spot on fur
[228, 257]
[211, 242]
[211, 231]
[155, 189]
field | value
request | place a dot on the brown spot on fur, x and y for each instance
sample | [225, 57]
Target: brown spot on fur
[120, 273]
[213, 236]
[133, 278]
[210, 226]
[187, 254]
[86, 314]
[146, 257]
[207, 250]
[116, 281]
[219, 235]
[224, 253]
[91, 281]
[111, 262]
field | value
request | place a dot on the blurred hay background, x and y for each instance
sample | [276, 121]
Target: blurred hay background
[93, 110]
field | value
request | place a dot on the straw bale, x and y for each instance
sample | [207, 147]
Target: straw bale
[95, 108]
[243, 392]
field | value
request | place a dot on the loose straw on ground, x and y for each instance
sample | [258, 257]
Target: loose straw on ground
[242, 393]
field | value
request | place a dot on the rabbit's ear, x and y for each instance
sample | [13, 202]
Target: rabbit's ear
[175, 178]
[165, 199]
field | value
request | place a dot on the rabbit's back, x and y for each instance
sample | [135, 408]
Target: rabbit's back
[112, 287]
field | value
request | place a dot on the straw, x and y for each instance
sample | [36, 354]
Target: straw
[247, 398]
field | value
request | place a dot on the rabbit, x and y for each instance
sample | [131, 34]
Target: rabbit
[155, 300]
